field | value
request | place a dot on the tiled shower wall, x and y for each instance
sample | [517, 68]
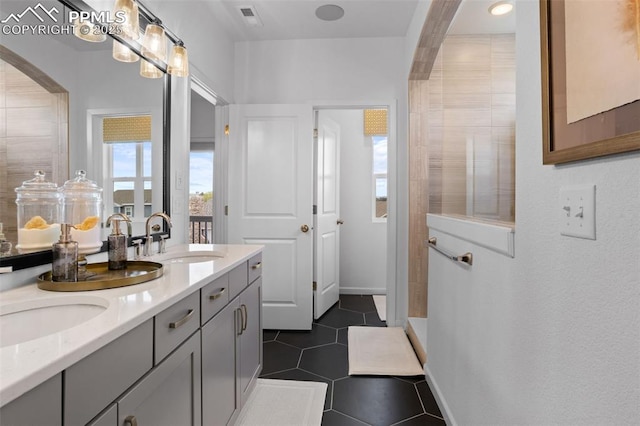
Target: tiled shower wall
[462, 143]
[33, 136]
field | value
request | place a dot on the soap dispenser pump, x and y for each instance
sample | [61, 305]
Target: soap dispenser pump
[117, 242]
[65, 257]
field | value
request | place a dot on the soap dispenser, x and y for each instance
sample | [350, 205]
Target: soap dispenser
[117, 242]
[65, 257]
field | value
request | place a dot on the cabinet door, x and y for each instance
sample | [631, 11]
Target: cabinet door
[170, 394]
[250, 338]
[219, 402]
[40, 406]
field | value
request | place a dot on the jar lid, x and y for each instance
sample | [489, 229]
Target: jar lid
[81, 186]
[38, 185]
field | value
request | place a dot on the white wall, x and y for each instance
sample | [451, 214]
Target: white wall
[363, 256]
[552, 336]
[291, 71]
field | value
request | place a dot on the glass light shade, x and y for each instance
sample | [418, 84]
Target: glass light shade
[122, 53]
[149, 70]
[128, 10]
[87, 31]
[154, 43]
[179, 61]
[500, 8]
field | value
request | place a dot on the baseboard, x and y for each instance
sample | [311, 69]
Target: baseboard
[361, 290]
[417, 343]
[442, 404]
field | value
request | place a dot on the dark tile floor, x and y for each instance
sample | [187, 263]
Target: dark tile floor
[321, 355]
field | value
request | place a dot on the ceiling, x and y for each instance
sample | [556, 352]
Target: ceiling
[295, 19]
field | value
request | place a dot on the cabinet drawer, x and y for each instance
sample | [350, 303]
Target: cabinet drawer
[237, 280]
[214, 296]
[175, 324]
[255, 267]
[40, 406]
[95, 381]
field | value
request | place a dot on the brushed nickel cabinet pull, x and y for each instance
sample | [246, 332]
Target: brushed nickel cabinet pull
[238, 314]
[245, 317]
[217, 294]
[257, 265]
[183, 321]
[131, 421]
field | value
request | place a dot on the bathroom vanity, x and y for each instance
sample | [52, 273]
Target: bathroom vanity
[183, 349]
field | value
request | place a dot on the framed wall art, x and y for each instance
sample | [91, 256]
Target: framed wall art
[590, 53]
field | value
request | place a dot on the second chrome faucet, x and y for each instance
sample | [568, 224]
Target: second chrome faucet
[148, 242]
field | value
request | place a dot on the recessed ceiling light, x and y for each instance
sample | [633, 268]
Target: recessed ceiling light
[500, 8]
[329, 12]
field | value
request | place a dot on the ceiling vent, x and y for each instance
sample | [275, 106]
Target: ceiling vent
[250, 16]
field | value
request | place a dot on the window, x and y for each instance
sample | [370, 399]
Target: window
[379, 178]
[201, 175]
[128, 182]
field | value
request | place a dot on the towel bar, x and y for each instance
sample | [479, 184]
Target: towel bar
[463, 258]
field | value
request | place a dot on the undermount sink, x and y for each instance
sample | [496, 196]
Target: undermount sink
[24, 321]
[188, 257]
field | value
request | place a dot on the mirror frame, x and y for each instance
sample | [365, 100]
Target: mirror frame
[29, 260]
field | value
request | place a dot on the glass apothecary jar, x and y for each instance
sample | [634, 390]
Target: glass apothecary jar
[82, 208]
[39, 213]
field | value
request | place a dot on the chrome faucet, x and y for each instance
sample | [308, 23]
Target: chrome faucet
[148, 243]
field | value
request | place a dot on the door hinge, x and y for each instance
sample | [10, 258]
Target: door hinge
[315, 209]
[315, 286]
[226, 129]
[226, 210]
[315, 133]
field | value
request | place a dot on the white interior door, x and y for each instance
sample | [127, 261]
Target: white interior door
[270, 203]
[327, 219]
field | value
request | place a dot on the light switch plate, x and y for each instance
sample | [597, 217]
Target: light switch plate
[578, 211]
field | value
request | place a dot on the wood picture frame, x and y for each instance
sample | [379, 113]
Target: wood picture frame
[611, 132]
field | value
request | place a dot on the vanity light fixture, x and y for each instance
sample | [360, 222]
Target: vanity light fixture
[501, 8]
[131, 26]
[178, 61]
[148, 70]
[122, 53]
[154, 43]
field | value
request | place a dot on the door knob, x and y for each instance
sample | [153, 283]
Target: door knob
[304, 228]
[340, 222]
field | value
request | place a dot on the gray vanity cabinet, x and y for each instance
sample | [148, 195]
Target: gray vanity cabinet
[250, 338]
[40, 406]
[170, 394]
[232, 353]
[219, 400]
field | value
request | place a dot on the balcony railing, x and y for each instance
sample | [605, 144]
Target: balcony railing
[201, 229]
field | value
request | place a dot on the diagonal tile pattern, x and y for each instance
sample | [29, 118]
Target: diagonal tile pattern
[322, 355]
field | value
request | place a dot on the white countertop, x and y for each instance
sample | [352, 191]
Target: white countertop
[25, 365]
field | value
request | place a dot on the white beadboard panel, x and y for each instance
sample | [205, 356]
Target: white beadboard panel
[497, 237]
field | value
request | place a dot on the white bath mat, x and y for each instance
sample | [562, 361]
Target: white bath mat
[382, 351]
[381, 306]
[284, 403]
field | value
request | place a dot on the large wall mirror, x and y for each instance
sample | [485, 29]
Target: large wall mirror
[93, 113]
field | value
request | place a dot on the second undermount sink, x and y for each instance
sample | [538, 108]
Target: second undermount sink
[188, 256]
[24, 321]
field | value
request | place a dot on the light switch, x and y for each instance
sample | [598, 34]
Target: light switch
[578, 211]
